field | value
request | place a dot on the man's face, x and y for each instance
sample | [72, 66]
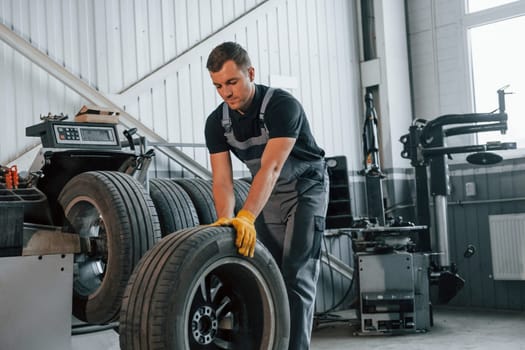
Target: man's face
[234, 85]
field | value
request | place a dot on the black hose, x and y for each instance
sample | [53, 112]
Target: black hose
[348, 290]
[93, 328]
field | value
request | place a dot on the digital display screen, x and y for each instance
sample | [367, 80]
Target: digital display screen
[80, 135]
[93, 134]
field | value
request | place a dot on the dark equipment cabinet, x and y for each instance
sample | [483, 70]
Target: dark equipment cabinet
[339, 214]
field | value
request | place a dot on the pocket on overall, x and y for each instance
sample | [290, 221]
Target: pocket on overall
[319, 228]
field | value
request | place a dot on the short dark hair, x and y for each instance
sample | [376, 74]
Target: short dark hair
[225, 52]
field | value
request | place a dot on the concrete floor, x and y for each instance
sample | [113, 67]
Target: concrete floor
[454, 328]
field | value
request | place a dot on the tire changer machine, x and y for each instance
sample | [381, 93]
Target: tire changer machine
[36, 256]
[399, 265]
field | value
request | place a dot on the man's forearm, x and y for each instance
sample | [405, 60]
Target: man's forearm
[224, 201]
[222, 188]
[261, 189]
[275, 154]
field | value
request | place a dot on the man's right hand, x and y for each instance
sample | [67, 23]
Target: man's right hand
[222, 222]
[245, 229]
[246, 235]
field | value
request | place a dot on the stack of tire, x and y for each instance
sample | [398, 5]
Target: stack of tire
[172, 281]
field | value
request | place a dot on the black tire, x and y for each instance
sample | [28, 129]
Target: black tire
[201, 195]
[194, 291]
[240, 189]
[248, 180]
[174, 206]
[116, 218]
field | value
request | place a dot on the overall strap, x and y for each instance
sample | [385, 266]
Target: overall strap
[245, 149]
[226, 121]
[265, 101]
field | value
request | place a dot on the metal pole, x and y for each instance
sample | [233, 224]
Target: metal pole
[440, 207]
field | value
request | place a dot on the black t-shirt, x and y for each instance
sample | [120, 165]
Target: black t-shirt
[284, 117]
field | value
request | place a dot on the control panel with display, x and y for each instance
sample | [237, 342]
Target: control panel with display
[60, 134]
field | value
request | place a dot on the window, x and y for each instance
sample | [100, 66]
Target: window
[498, 59]
[480, 5]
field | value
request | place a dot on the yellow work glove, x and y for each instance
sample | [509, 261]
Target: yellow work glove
[245, 228]
[222, 222]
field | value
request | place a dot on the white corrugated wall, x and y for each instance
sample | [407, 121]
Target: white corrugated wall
[149, 57]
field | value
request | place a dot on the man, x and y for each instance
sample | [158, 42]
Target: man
[286, 206]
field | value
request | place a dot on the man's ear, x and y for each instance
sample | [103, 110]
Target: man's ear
[251, 73]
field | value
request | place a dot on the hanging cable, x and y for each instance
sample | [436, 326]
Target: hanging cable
[326, 316]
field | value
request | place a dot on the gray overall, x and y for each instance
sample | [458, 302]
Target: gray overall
[291, 225]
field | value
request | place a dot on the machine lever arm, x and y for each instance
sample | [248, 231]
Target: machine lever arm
[470, 129]
[437, 151]
[129, 136]
[449, 119]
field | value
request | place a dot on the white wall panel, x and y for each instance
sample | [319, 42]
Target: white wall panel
[114, 49]
[172, 116]
[159, 105]
[346, 61]
[146, 48]
[280, 32]
[150, 56]
[167, 29]
[102, 54]
[316, 92]
[321, 71]
[86, 38]
[193, 22]
[8, 128]
[129, 70]
[181, 26]
[334, 50]
[145, 109]
[304, 56]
